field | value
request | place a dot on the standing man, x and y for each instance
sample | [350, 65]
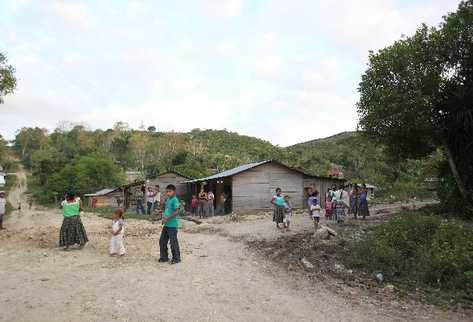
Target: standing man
[170, 226]
[3, 203]
[150, 194]
[140, 194]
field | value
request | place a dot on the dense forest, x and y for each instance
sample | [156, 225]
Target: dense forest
[87, 160]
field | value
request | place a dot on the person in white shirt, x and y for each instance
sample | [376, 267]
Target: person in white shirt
[342, 202]
[210, 203]
[150, 198]
[3, 204]
[157, 198]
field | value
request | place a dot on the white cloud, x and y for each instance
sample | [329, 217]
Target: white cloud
[283, 70]
[223, 8]
[73, 13]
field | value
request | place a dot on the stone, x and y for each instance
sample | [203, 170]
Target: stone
[379, 277]
[307, 265]
[321, 233]
[339, 268]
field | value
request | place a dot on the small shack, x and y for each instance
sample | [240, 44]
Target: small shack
[108, 197]
[170, 177]
[251, 186]
[134, 191]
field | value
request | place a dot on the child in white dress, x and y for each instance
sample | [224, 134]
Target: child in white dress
[316, 215]
[117, 246]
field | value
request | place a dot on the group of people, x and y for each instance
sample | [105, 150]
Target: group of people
[338, 203]
[72, 230]
[203, 204]
[152, 198]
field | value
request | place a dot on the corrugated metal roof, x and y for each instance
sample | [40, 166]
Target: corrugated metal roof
[231, 172]
[245, 167]
[102, 192]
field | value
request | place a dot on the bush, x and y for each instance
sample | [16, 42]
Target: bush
[86, 174]
[418, 248]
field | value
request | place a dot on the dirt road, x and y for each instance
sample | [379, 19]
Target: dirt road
[220, 279]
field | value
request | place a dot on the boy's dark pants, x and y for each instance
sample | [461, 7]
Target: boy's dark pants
[169, 234]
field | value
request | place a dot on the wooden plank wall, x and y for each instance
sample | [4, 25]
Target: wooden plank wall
[108, 200]
[253, 189]
[170, 178]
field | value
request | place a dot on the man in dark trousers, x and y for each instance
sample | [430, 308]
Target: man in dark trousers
[170, 226]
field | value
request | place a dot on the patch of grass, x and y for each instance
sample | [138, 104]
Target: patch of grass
[10, 182]
[420, 249]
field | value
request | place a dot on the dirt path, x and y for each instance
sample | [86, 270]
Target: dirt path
[218, 280]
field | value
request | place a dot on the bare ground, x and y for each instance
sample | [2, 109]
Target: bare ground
[220, 278]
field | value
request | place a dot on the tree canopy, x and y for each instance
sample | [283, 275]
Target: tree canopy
[416, 95]
[7, 77]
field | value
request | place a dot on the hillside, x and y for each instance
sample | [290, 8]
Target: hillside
[53, 157]
[358, 157]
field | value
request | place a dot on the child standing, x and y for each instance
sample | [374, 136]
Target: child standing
[287, 212]
[117, 246]
[328, 209]
[316, 216]
[194, 204]
[170, 225]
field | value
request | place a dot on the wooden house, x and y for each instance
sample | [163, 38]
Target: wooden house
[170, 177]
[133, 191]
[109, 197]
[251, 186]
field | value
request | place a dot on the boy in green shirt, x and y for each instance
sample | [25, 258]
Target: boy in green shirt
[170, 225]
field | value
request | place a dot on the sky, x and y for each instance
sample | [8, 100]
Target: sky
[284, 71]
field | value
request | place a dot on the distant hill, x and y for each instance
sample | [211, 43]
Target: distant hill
[203, 152]
[358, 157]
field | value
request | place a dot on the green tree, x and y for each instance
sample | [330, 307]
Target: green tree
[86, 174]
[7, 77]
[416, 94]
[27, 140]
[3, 150]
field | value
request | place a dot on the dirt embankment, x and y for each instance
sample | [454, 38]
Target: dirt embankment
[219, 279]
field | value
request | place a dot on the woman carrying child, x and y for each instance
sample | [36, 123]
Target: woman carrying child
[278, 214]
[72, 231]
[287, 212]
[117, 246]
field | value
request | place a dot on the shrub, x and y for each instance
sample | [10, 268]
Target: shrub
[418, 248]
